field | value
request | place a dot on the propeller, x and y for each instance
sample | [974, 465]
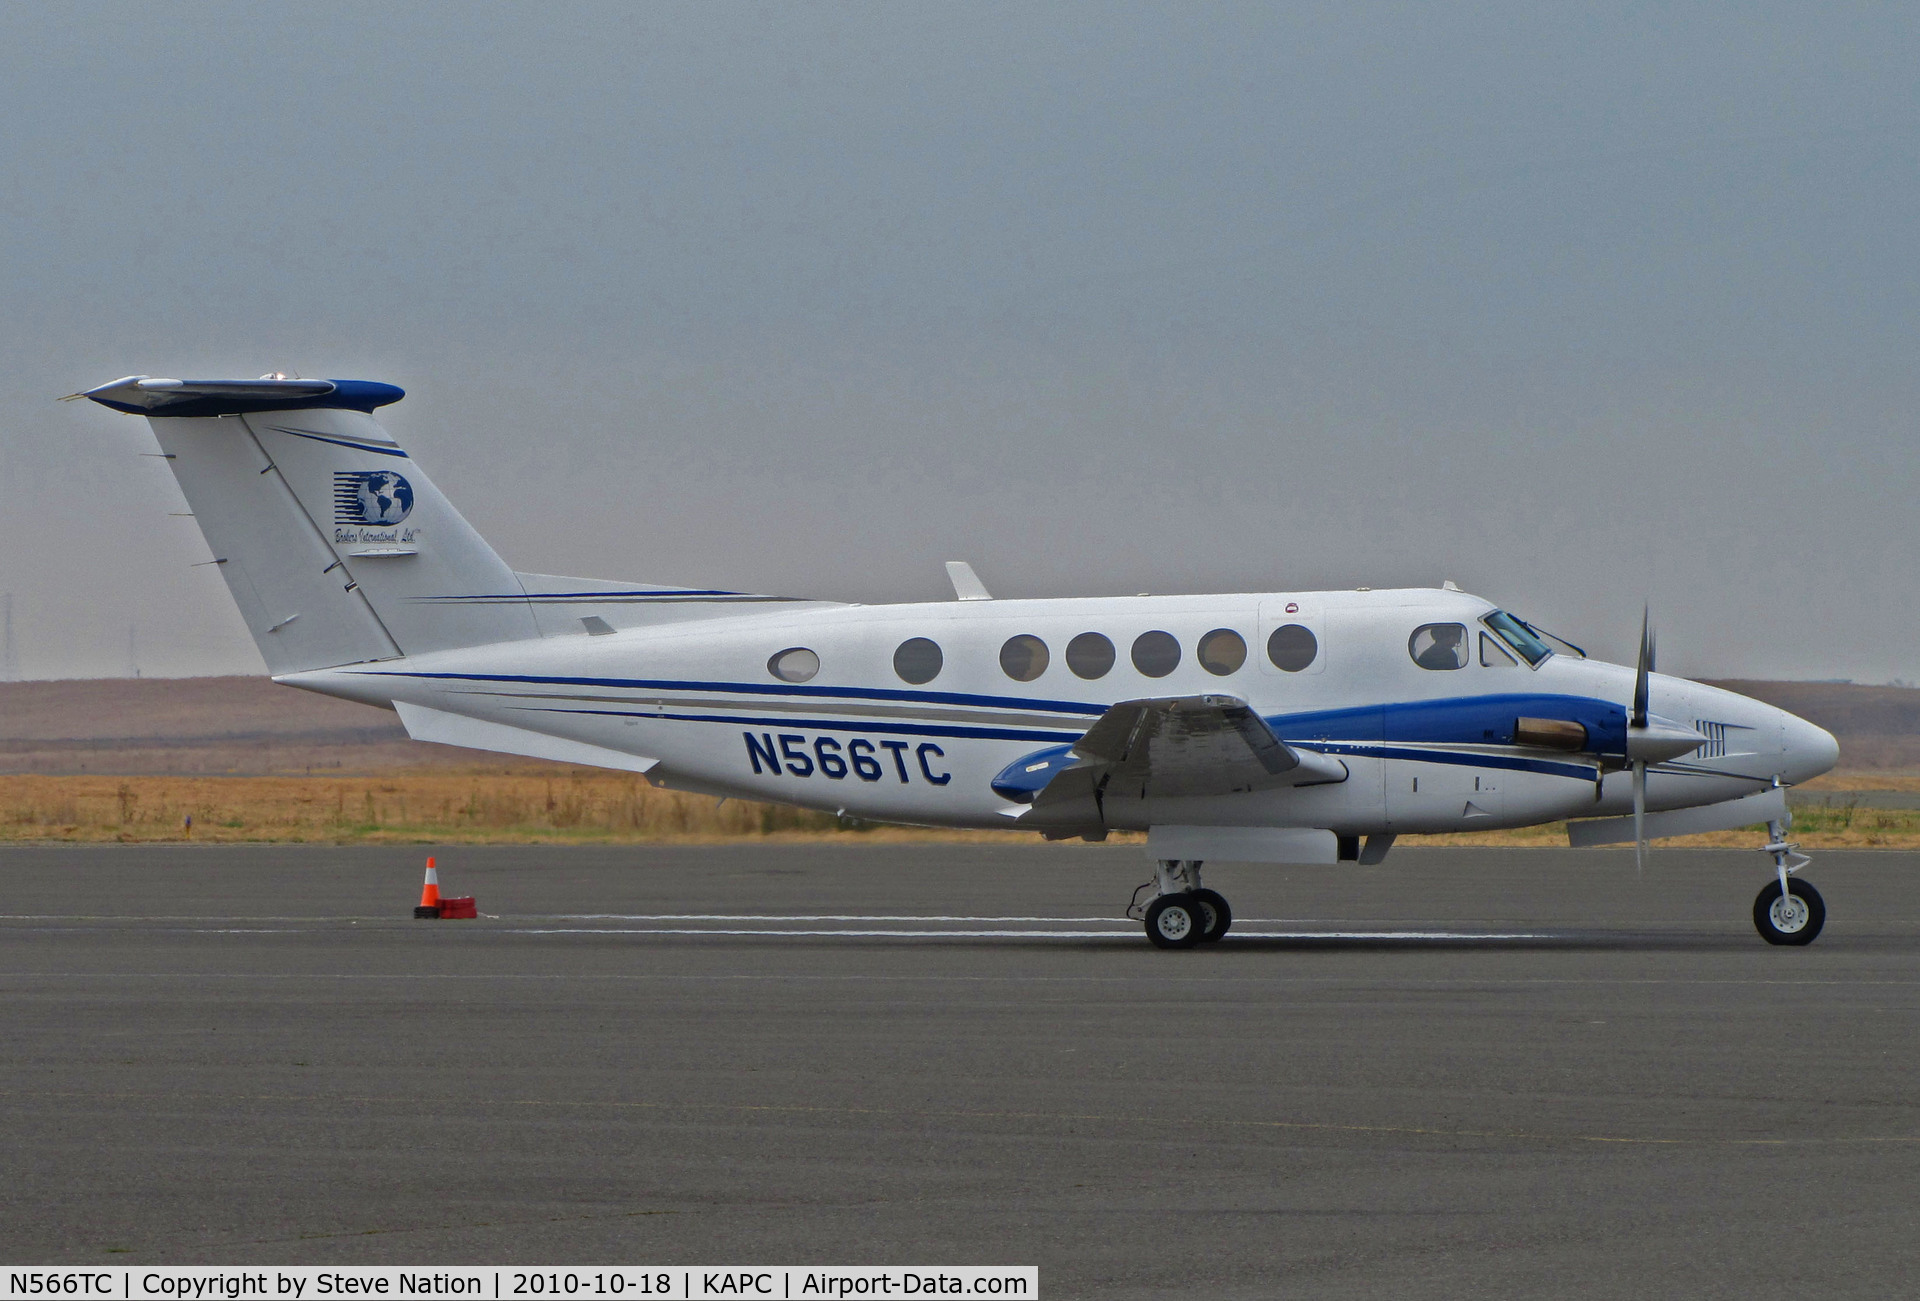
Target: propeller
[1645, 670]
[1650, 738]
[1639, 817]
[1638, 722]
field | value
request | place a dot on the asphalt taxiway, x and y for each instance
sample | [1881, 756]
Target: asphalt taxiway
[1461, 1073]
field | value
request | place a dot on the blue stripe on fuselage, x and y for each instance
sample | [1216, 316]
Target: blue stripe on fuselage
[1369, 730]
[1461, 720]
[768, 689]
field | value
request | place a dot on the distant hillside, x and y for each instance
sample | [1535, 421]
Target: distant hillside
[181, 726]
[251, 726]
[1878, 727]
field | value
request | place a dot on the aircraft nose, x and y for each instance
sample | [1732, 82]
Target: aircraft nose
[1808, 750]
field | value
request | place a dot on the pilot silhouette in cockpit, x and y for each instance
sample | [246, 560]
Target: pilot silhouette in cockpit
[1445, 651]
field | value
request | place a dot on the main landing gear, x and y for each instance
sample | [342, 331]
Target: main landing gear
[1789, 910]
[1179, 913]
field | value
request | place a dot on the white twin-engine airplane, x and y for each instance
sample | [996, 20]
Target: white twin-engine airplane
[1276, 727]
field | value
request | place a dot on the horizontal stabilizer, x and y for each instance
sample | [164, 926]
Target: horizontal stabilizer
[443, 728]
[567, 606]
[1767, 806]
[144, 395]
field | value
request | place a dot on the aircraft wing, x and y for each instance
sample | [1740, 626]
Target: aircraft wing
[1179, 746]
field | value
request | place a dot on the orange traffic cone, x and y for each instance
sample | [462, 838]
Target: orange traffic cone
[429, 895]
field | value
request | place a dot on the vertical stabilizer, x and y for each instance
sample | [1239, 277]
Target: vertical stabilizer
[336, 546]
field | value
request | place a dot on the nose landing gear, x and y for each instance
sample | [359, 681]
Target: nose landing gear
[1179, 913]
[1788, 910]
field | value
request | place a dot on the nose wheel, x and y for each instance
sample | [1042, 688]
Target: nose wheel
[1178, 912]
[1788, 910]
[1792, 916]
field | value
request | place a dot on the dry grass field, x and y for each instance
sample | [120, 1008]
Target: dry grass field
[134, 760]
[584, 805]
[575, 805]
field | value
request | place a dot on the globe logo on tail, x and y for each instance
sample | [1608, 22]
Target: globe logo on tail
[370, 497]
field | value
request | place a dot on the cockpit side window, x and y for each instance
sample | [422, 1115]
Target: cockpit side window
[1439, 646]
[1493, 655]
[1517, 635]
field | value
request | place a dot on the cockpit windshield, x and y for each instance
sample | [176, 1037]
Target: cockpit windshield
[1517, 635]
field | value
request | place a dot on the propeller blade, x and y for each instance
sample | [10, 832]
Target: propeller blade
[1639, 815]
[1645, 669]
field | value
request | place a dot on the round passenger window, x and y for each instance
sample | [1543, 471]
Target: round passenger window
[1024, 658]
[1156, 654]
[1439, 646]
[796, 665]
[1221, 652]
[917, 660]
[1292, 647]
[1090, 655]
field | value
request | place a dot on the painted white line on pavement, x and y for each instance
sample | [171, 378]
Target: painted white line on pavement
[1023, 934]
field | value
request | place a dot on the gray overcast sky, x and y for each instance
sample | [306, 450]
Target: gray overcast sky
[1577, 306]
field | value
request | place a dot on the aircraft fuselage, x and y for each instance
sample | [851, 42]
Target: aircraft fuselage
[1425, 749]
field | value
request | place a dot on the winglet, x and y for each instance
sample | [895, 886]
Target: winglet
[966, 584]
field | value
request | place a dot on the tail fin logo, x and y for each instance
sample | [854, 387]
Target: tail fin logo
[370, 497]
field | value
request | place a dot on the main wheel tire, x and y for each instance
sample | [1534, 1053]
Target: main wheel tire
[1795, 919]
[1173, 921]
[1215, 915]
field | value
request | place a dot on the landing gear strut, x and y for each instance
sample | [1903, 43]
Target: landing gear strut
[1179, 913]
[1789, 910]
